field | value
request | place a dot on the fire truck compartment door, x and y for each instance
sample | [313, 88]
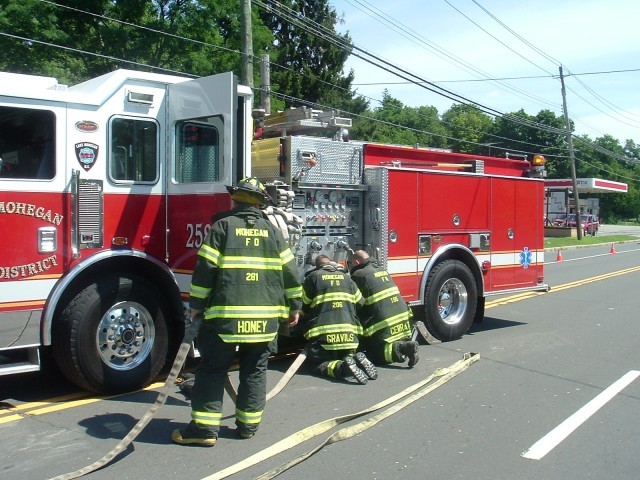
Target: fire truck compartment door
[208, 100]
[200, 150]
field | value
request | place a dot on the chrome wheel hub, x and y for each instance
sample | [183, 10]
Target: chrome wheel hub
[125, 335]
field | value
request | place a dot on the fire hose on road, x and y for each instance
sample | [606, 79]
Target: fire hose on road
[403, 399]
[181, 356]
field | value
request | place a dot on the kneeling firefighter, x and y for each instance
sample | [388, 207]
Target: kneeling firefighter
[244, 272]
[332, 327]
[384, 314]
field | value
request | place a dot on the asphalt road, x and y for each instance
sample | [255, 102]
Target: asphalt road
[554, 395]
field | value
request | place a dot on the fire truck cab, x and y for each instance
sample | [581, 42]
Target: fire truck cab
[106, 192]
[107, 189]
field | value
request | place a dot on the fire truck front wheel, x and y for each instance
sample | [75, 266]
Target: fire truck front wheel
[113, 335]
[450, 300]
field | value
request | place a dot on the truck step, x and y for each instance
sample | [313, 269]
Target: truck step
[20, 361]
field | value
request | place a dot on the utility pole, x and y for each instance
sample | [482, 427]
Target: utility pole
[572, 158]
[265, 84]
[247, 44]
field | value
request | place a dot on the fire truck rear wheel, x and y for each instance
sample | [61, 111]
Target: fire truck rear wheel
[450, 300]
[113, 335]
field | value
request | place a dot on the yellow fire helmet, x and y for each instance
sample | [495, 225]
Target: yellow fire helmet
[250, 191]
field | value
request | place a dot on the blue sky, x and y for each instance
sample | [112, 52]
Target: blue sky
[453, 41]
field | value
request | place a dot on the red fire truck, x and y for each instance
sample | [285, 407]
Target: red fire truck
[107, 189]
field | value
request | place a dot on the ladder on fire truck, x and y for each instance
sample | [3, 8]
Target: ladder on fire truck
[299, 120]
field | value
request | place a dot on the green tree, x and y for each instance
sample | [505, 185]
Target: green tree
[420, 125]
[631, 150]
[528, 135]
[187, 36]
[307, 65]
[514, 129]
[595, 163]
[467, 126]
[28, 20]
[546, 141]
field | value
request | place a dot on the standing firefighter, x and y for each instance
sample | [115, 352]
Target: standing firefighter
[330, 298]
[245, 282]
[385, 315]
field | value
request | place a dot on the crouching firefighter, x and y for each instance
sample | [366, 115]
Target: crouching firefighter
[243, 274]
[384, 314]
[329, 299]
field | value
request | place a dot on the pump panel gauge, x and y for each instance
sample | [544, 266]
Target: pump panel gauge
[335, 197]
[321, 196]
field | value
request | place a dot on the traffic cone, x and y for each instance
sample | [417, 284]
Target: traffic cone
[613, 248]
[559, 257]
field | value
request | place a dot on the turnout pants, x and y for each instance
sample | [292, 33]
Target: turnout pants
[327, 363]
[208, 389]
[381, 352]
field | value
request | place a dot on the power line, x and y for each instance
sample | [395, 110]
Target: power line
[299, 21]
[557, 63]
[141, 27]
[517, 35]
[153, 30]
[93, 54]
[439, 51]
[606, 102]
[329, 38]
[389, 67]
[496, 39]
[233, 51]
[526, 77]
[492, 136]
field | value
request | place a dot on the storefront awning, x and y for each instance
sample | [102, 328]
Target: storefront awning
[588, 185]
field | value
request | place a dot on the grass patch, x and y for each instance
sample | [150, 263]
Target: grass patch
[552, 242]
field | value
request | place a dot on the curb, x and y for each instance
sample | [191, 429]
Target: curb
[573, 247]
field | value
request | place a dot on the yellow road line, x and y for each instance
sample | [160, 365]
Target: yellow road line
[56, 404]
[577, 283]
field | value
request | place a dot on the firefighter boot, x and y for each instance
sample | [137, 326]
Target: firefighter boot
[192, 437]
[410, 349]
[244, 434]
[349, 368]
[365, 364]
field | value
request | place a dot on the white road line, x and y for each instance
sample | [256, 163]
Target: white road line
[562, 431]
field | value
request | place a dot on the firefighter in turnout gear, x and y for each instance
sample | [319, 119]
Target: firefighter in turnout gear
[244, 284]
[385, 315]
[329, 302]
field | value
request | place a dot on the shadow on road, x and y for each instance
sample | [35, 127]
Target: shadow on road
[492, 323]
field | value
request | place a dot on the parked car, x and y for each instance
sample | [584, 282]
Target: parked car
[588, 222]
[559, 222]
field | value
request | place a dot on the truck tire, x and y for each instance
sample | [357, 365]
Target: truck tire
[113, 335]
[450, 300]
